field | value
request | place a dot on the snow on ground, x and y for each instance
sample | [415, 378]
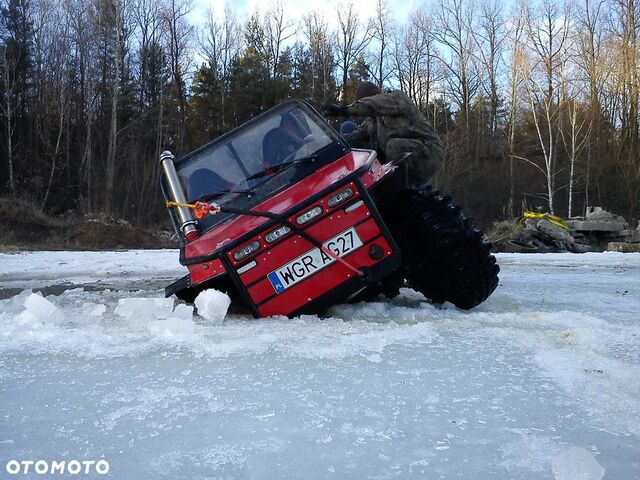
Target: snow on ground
[539, 382]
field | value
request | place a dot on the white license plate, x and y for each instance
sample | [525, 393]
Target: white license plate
[314, 260]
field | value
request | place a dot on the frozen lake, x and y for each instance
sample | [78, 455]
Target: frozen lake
[542, 381]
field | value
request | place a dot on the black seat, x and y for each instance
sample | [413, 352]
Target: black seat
[203, 182]
[277, 145]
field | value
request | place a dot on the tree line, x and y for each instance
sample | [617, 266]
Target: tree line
[537, 104]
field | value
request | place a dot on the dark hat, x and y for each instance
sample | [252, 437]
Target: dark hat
[366, 89]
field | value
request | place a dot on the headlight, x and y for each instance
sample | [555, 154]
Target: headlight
[246, 250]
[308, 216]
[276, 234]
[340, 197]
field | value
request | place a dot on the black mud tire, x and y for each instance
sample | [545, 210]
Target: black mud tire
[445, 257]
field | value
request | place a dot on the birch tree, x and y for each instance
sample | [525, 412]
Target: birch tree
[547, 28]
[575, 129]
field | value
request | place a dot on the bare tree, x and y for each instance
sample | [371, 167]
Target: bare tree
[179, 33]
[221, 43]
[220, 40]
[590, 17]
[490, 37]
[590, 38]
[353, 39]
[625, 21]
[626, 17]
[117, 11]
[382, 27]
[267, 32]
[148, 26]
[414, 57]
[454, 27]
[8, 109]
[516, 76]
[548, 29]
[145, 132]
[53, 48]
[321, 47]
[83, 33]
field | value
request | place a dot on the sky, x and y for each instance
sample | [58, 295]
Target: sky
[296, 9]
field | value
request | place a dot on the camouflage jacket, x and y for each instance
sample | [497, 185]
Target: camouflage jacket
[391, 115]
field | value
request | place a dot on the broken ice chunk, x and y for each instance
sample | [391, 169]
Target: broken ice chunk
[212, 305]
[178, 323]
[41, 309]
[576, 464]
[183, 312]
[26, 318]
[137, 309]
[15, 304]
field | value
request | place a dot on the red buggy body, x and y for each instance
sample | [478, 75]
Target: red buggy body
[284, 273]
[293, 227]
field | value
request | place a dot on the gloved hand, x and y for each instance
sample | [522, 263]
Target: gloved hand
[334, 111]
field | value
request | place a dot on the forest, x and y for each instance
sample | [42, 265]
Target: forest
[537, 102]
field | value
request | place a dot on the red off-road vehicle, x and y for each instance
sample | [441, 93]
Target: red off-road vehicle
[288, 219]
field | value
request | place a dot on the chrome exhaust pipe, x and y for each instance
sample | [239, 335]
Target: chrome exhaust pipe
[188, 223]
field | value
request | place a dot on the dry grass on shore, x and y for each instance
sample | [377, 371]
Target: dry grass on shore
[24, 227]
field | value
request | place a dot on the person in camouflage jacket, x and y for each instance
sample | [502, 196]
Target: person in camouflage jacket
[394, 127]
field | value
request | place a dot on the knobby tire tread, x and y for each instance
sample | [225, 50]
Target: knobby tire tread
[445, 257]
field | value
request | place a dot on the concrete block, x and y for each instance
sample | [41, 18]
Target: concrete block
[628, 236]
[595, 226]
[623, 247]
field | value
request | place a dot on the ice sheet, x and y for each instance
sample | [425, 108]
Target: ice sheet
[538, 381]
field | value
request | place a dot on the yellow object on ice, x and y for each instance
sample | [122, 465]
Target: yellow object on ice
[547, 216]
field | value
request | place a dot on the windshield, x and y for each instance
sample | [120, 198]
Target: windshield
[263, 156]
[236, 161]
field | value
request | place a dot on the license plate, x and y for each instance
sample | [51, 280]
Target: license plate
[314, 260]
